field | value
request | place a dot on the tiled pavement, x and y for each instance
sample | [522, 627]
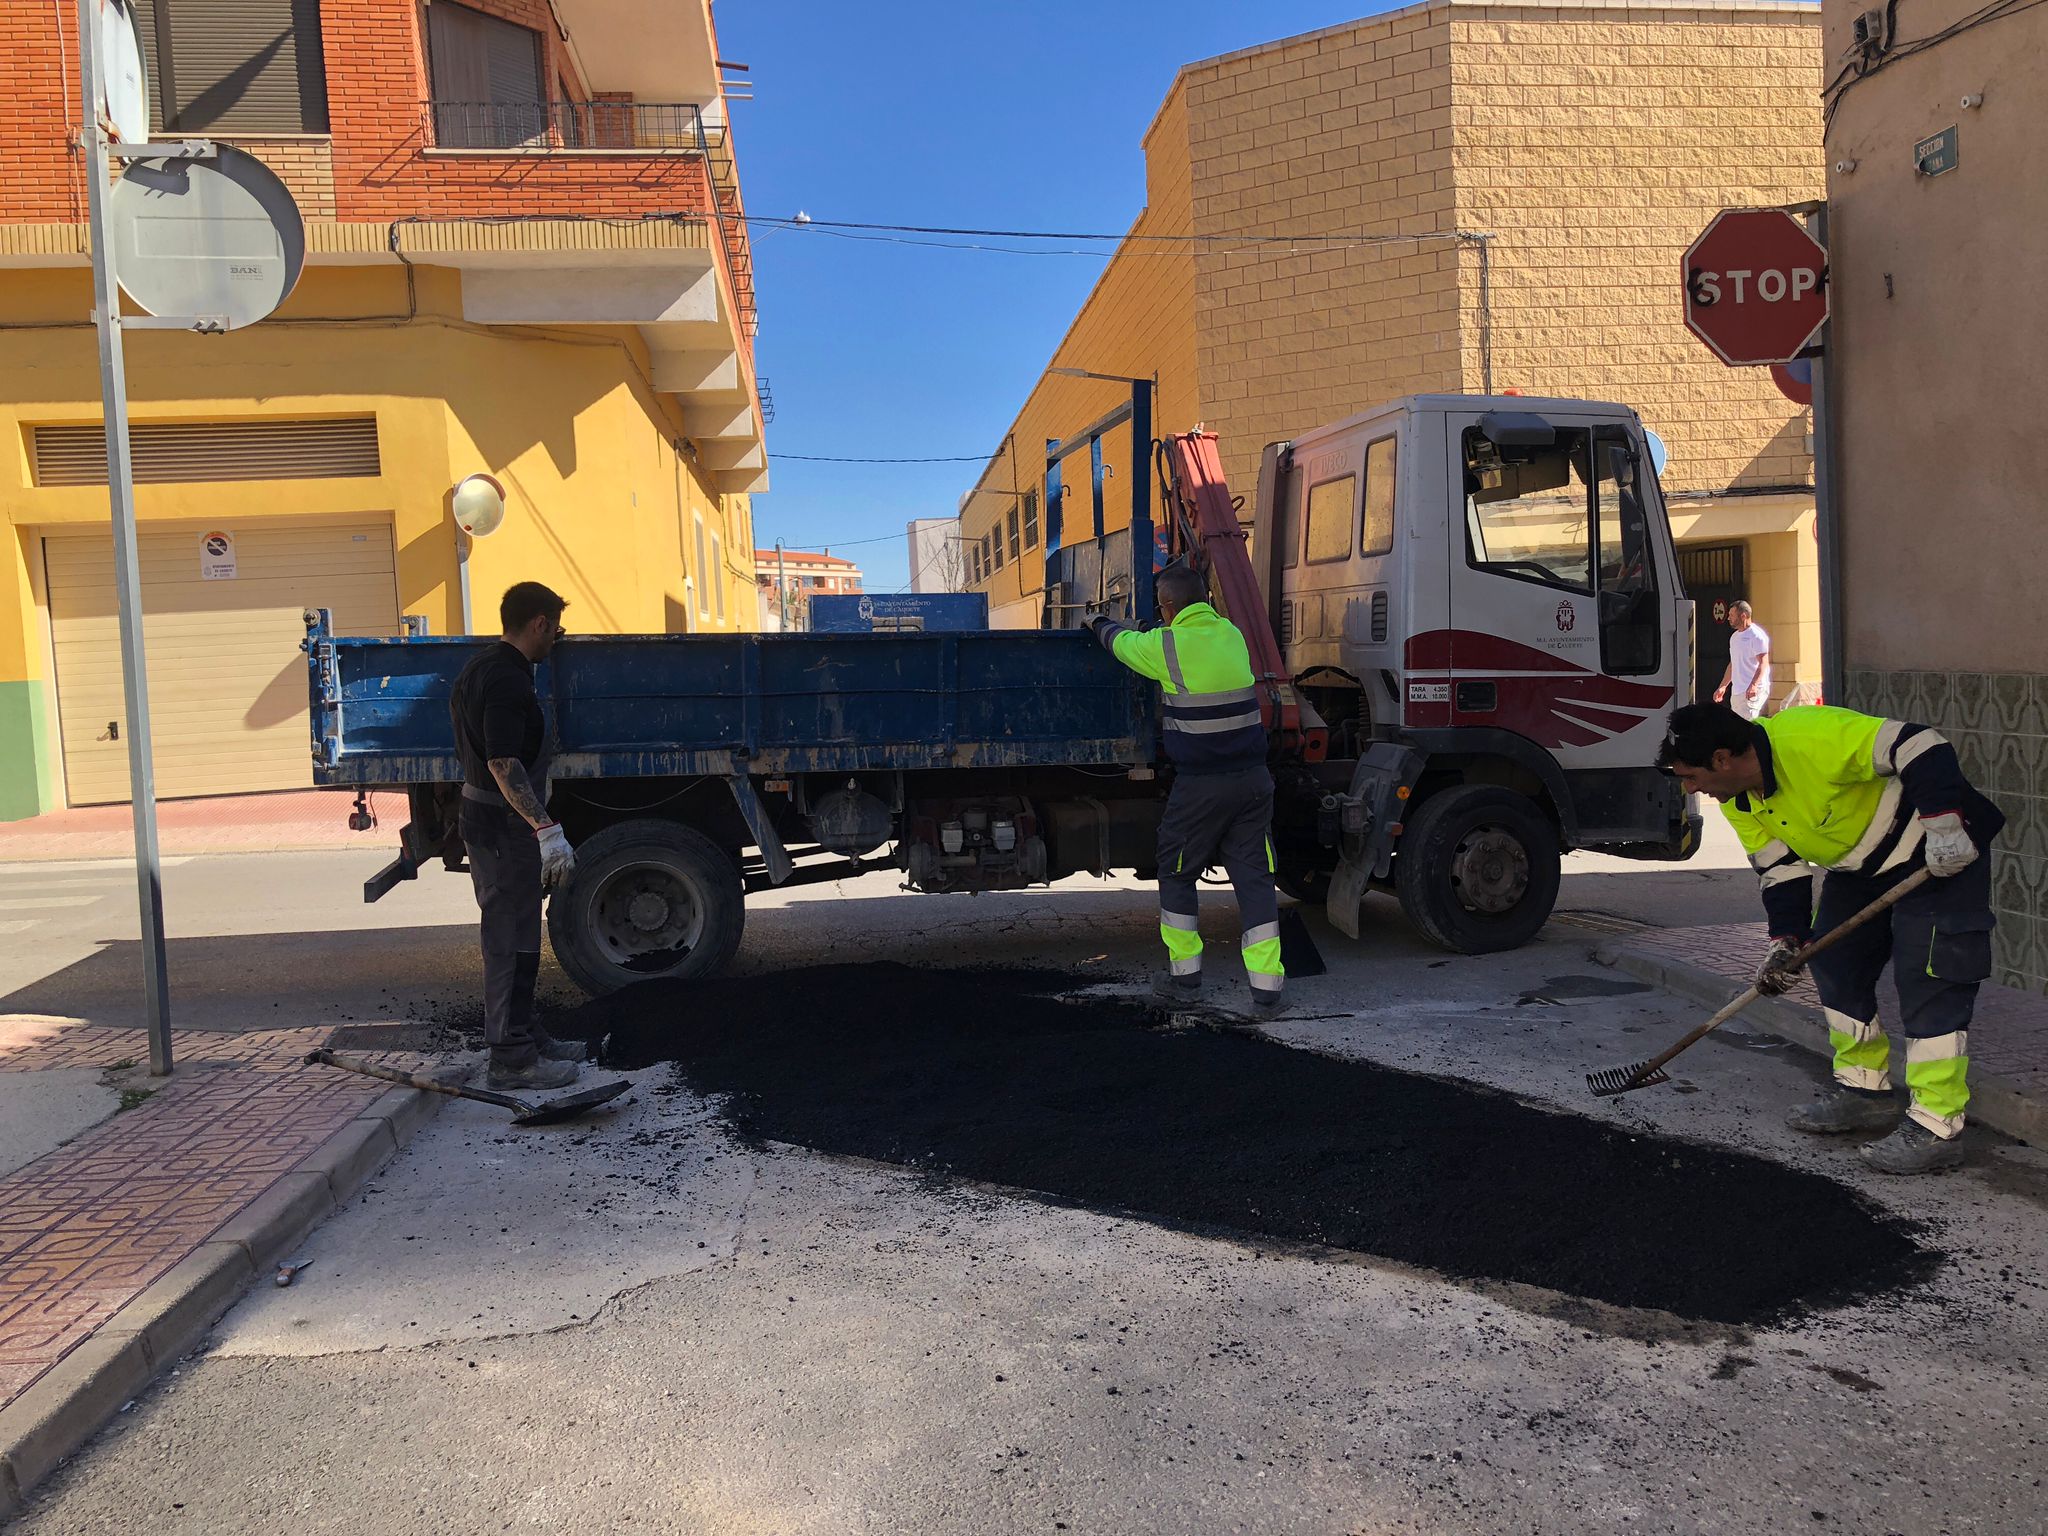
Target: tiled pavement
[86, 1228]
[292, 819]
[2008, 1035]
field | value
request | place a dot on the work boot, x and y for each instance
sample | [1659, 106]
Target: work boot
[552, 1049]
[1840, 1110]
[1266, 1004]
[1913, 1148]
[1177, 991]
[538, 1074]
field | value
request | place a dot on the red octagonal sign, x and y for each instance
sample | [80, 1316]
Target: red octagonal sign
[1756, 286]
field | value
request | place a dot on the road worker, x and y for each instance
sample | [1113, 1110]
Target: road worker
[1869, 801]
[517, 851]
[1220, 809]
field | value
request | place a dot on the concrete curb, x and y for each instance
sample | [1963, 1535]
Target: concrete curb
[1994, 1100]
[85, 1389]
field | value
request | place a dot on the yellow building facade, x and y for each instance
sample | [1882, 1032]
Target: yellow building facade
[1482, 195]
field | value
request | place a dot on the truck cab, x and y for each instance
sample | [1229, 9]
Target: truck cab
[1480, 597]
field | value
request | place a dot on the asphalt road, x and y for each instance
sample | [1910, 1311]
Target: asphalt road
[644, 1324]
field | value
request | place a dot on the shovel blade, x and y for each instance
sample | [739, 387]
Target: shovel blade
[570, 1105]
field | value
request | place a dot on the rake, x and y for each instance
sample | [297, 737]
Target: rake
[1647, 1074]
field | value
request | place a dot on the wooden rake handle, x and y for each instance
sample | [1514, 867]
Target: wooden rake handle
[1884, 903]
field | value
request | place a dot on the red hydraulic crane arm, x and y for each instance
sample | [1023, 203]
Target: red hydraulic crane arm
[1201, 510]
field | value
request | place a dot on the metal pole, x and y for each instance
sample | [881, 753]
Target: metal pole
[462, 546]
[1827, 523]
[106, 293]
[781, 587]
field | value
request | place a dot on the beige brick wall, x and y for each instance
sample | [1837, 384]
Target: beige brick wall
[304, 164]
[1594, 146]
[1340, 134]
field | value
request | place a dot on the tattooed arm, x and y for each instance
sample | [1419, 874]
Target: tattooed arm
[516, 785]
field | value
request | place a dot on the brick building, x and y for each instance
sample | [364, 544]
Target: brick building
[1491, 194]
[526, 258]
[796, 576]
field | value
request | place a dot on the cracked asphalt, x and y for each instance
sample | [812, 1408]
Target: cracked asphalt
[641, 1324]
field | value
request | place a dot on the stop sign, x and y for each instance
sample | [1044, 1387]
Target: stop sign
[1756, 286]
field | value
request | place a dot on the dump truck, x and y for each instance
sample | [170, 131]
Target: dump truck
[1464, 613]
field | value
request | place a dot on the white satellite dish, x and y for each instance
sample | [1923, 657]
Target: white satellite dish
[479, 506]
[218, 236]
[124, 81]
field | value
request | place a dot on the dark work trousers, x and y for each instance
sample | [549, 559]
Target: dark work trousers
[1227, 819]
[1938, 943]
[504, 865]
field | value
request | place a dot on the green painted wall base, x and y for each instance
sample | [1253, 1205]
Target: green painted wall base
[26, 788]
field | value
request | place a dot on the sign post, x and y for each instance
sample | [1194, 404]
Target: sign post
[106, 297]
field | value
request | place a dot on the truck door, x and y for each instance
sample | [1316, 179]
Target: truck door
[1558, 624]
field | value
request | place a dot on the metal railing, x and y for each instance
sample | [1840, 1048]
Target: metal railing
[617, 126]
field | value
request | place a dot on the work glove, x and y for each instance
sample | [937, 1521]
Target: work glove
[1776, 974]
[557, 858]
[1949, 850]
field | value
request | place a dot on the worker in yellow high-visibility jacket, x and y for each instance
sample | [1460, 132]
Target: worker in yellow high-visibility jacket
[1868, 801]
[1220, 809]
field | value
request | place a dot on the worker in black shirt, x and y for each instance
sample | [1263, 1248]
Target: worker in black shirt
[516, 850]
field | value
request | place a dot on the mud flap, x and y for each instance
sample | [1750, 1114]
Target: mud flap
[1368, 821]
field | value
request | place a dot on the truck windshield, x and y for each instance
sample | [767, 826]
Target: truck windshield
[1528, 511]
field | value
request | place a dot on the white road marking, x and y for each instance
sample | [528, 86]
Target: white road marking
[51, 901]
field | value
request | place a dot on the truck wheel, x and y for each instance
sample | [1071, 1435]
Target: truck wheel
[648, 900]
[1477, 868]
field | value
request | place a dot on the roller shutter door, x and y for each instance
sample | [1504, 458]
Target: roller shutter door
[227, 681]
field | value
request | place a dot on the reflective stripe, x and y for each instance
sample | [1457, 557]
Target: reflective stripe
[1210, 727]
[1938, 1048]
[1185, 920]
[1772, 853]
[1908, 846]
[1779, 874]
[1947, 1127]
[1203, 700]
[1883, 823]
[1921, 744]
[1263, 981]
[1886, 744]
[1260, 934]
[1272, 864]
[1189, 966]
[1871, 1079]
[1840, 1023]
[1171, 653]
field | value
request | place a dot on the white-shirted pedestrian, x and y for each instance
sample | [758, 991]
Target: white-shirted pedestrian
[1746, 684]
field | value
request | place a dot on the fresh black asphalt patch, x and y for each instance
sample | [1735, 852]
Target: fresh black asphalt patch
[988, 1075]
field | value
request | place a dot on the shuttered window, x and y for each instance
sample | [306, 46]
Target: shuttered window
[234, 66]
[168, 451]
[487, 79]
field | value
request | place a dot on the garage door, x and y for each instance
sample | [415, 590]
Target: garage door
[221, 628]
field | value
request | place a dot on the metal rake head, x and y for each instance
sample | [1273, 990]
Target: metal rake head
[1625, 1079]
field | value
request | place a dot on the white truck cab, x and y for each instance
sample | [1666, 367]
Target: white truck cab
[1480, 596]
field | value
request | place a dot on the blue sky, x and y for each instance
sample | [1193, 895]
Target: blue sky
[969, 113]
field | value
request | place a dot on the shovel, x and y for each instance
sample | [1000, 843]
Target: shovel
[1647, 1074]
[526, 1111]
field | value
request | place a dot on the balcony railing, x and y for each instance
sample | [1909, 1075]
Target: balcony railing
[614, 126]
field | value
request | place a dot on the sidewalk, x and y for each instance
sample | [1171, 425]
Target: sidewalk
[289, 819]
[119, 1249]
[2008, 1035]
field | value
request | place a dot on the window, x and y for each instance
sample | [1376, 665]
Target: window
[1031, 519]
[1631, 631]
[1290, 533]
[974, 562]
[487, 79]
[997, 536]
[234, 66]
[704, 576]
[1526, 510]
[1376, 533]
[1329, 518]
[718, 573]
[988, 555]
[1016, 546]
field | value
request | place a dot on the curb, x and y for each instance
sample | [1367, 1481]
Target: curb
[1994, 1100]
[70, 1402]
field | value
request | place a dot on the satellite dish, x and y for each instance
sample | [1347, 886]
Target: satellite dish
[124, 80]
[218, 236]
[1659, 454]
[479, 506]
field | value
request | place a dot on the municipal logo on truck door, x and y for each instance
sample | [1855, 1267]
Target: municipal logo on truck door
[1567, 616]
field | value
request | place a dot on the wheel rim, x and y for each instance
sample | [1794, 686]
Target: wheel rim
[1490, 870]
[646, 917]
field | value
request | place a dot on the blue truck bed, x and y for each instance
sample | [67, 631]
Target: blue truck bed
[626, 706]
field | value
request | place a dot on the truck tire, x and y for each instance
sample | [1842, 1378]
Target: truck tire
[1477, 868]
[649, 900]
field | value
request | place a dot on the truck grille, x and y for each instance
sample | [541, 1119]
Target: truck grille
[1287, 624]
[1379, 618]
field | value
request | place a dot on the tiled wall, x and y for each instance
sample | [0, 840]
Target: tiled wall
[1999, 724]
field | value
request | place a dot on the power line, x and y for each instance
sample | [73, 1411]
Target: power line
[827, 458]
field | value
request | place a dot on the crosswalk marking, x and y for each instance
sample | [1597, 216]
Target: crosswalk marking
[35, 902]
